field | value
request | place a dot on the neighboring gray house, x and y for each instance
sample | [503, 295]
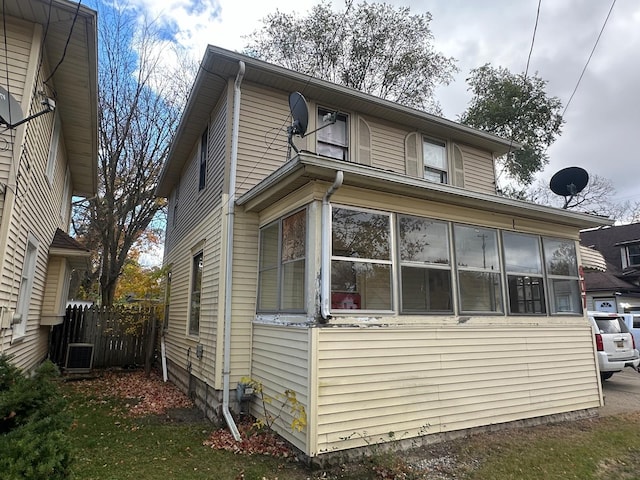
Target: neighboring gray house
[616, 286]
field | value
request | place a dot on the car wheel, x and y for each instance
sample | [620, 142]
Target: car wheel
[606, 375]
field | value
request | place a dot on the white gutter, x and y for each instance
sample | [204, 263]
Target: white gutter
[226, 366]
[325, 250]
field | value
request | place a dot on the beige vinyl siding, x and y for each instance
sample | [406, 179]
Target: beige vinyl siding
[194, 205]
[387, 145]
[479, 173]
[280, 360]
[245, 278]
[262, 134]
[181, 346]
[416, 381]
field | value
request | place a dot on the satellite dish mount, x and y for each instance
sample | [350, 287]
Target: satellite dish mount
[569, 182]
[11, 113]
[300, 116]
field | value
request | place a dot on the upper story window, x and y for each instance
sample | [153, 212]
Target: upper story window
[523, 265]
[433, 159]
[53, 148]
[282, 265]
[361, 260]
[204, 142]
[434, 156]
[333, 141]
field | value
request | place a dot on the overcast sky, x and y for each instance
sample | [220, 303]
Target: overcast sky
[602, 120]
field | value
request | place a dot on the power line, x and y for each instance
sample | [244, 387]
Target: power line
[589, 59]
[533, 39]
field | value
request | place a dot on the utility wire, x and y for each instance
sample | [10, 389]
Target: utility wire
[66, 45]
[533, 39]
[589, 59]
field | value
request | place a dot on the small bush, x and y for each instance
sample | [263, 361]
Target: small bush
[33, 425]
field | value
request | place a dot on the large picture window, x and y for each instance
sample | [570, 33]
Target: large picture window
[361, 260]
[523, 265]
[478, 264]
[282, 266]
[562, 270]
[425, 267]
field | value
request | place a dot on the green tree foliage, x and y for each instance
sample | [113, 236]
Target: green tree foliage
[33, 425]
[516, 107]
[376, 48]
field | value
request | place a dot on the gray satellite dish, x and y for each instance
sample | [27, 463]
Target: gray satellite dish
[10, 110]
[569, 182]
[299, 113]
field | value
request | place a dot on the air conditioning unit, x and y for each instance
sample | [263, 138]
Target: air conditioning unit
[79, 358]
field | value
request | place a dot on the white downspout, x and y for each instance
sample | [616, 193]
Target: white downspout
[325, 250]
[226, 366]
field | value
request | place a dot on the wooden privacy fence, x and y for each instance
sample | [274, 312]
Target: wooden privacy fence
[115, 336]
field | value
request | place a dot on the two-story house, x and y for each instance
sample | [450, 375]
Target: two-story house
[616, 287]
[48, 151]
[370, 267]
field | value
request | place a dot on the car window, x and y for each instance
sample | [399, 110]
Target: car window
[611, 325]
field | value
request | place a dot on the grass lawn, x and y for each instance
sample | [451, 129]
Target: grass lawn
[118, 436]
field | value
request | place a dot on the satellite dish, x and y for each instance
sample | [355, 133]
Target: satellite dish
[10, 110]
[569, 182]
[299, 113]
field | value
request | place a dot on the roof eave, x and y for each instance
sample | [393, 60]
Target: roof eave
[306, 167]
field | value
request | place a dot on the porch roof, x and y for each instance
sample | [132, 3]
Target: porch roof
[307, 167]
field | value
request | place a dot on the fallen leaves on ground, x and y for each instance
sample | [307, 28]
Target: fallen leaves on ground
[148, 395]
[261, 442]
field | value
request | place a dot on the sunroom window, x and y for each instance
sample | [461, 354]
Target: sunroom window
[523, 265]
[478, 264]
[425, 267]
[562, 271]
[281, 276]
[333, 140]
[361, 260]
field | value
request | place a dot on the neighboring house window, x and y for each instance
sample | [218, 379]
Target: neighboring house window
[26, 285]
[523, 265]
[65, 205]
[196, 294]
[204, 142]
[632, 254]
[478, 264]
[425, 266]
[53, 148]
[434, 156]
[361, 260]
[562, 271]
[282, 265]
[167, 300]
[333, 141]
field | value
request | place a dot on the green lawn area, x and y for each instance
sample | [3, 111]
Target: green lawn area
[110, 443]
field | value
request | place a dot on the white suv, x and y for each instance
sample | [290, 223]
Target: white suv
[615, 345]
